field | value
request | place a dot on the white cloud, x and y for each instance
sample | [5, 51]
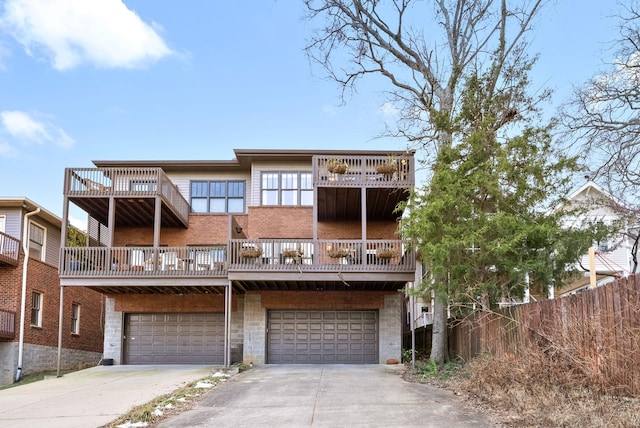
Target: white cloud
[70, 33]
[76, 222]
[4, 53]
[388, 109]
[26, 129]
[7, 150]
[328, 110]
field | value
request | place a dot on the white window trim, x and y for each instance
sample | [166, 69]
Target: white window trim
[279, 190]
[75, 331]
[40, 309]
[43, 253]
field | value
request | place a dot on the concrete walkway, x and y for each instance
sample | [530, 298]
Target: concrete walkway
[327, 396]
[92, 397]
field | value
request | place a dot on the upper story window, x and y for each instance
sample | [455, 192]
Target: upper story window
[37, 238]
[287, 188]
[217, 196]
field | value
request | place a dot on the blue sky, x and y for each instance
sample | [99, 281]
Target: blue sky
[91, 80]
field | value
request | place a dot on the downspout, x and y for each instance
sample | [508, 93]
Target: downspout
[25, 249]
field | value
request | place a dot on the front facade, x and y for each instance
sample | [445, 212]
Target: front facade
[274, 257]
[37, 350]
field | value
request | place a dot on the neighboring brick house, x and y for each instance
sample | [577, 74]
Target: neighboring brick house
[276, 256]
[82, 334]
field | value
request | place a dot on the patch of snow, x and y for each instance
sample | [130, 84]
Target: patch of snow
[204, 385]
[133, 425]
[157, 412]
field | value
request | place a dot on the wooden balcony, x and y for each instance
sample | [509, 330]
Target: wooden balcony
[134, 191]
[393, 171]
[9, 250]
[249, 264]
[143, 262]
[343, 183]
[7, 324]
[321, 256]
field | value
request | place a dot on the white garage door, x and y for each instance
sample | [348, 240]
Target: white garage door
[322, 337]
[174, 338]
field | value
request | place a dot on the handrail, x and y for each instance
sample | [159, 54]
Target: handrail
[9, 249]
[378, 255]
[7, 324]
[395, 170]
[125, 182]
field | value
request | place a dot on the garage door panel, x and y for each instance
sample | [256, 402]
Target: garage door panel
[322, 337]
[174, 338]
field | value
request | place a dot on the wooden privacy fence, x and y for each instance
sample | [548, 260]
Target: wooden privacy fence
[597, 331]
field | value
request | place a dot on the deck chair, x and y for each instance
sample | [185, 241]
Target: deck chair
[203, 260]
[169, 261]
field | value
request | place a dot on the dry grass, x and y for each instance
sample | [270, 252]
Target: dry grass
[534, 391]
[577, 375]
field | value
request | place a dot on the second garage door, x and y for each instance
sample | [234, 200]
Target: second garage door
[322, 337]
[174, 338]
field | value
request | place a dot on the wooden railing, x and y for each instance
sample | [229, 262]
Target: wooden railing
[263, 254]
[321, 255]
[143, 261]
[395, 170]
[7, 324]
[124, 182]
[9, 249]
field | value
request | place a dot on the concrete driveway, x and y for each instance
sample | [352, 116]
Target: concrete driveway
[327, 396]
[92, 397]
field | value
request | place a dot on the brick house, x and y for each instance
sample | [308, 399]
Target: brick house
[82, 336]
[275, 256]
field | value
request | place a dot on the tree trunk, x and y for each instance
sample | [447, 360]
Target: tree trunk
[439, 353]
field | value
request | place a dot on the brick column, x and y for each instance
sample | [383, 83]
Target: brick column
[391, 328]
[113, 332]
[255, 328]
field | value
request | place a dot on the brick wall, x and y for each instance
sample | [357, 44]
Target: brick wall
[353, 230]
[261, 222]
[43, 278]
[171, 303]
[334, 300]
[280, 222]
[40, 351]
[204, 229]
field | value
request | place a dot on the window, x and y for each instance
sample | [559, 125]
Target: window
[287, 188]
[75, 318]
[36, 309]
[217, 196]
[37, 236]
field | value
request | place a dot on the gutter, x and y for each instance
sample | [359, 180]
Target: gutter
[25, 249]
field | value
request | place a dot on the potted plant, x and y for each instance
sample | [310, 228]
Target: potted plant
[251, 252]
[292, 253]
[388, 167]
[387, 253]
[336, 253]
[337, 166]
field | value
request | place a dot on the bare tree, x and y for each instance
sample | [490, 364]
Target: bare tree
[426, 51]
[603, 116]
